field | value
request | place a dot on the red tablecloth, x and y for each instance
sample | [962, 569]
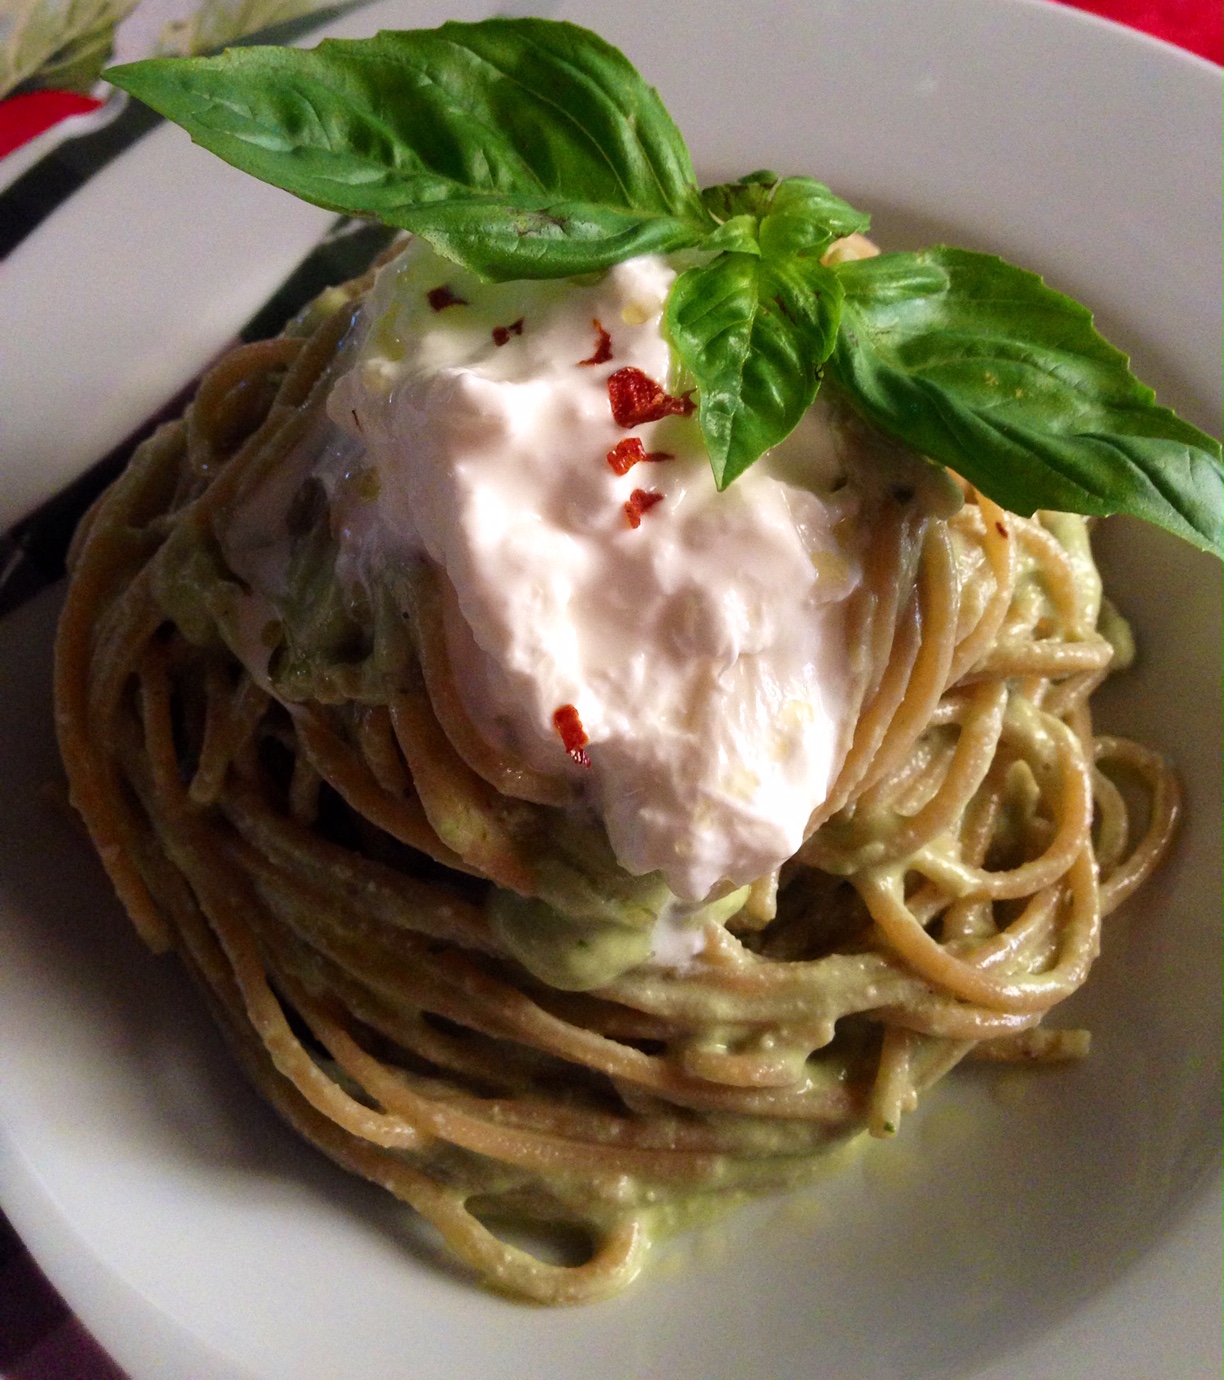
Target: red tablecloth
[1194, 24]
[39, 1337]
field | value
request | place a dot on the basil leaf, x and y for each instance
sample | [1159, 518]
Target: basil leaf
[980, 366]
[518, 147]
[737, 235]
[796, 215]
[555, 241]
[747, 197]
[804, 218]
[753, 332]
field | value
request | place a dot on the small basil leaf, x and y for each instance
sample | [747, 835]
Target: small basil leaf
[737, 235]
[980, 366]
[797, 215]
[747, 197]
[804, 218]
[540, 129]
[753, 332]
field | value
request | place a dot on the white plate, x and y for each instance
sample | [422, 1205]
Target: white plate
[1052, 1224]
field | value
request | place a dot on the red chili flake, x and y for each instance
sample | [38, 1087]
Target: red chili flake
[603, 345]
[440, 298]
[573, 735]
[629, 452]
[640, 501]
[1002, 531]
[503, 333]
[637, 398]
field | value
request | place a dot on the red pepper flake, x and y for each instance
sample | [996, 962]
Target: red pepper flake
[603, 345]
[637, 398]
[440, 298]
[503, 333]
[640, 501]
[629, 452]
[573, 735]
[1002, 531]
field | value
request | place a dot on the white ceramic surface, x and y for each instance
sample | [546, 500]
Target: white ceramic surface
[1053, 1225]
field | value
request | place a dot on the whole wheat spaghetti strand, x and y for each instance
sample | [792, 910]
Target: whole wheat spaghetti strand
[1000, 549]
[963, 978]
[341, 768]
[459, 805]
[901, 836]
[224, 900]
[231, 719]
[1058, 578]
[890, 608]
[1075, 818]
[376, 739]
[1166, 807]
[939, 600]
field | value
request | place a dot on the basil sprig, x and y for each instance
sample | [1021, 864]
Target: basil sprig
[755, 323]
[520, 148]
[526, 148]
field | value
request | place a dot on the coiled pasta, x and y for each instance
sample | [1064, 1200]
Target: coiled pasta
[320, 852]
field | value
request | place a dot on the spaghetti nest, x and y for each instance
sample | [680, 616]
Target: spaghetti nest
[324, 839]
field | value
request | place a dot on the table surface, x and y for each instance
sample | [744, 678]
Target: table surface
[40, 1339]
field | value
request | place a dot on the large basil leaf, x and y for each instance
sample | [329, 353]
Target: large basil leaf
[979, 365]
[753, 332]
[518, 147]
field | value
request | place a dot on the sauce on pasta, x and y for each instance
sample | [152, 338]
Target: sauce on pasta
[434, 966]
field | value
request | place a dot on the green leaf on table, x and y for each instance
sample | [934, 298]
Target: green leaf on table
[753, 333]
[521, 148]
[981, 366]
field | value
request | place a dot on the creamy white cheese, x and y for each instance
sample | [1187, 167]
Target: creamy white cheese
[704, 650]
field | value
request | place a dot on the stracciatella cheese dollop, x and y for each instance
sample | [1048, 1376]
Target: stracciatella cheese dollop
[699, 640]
